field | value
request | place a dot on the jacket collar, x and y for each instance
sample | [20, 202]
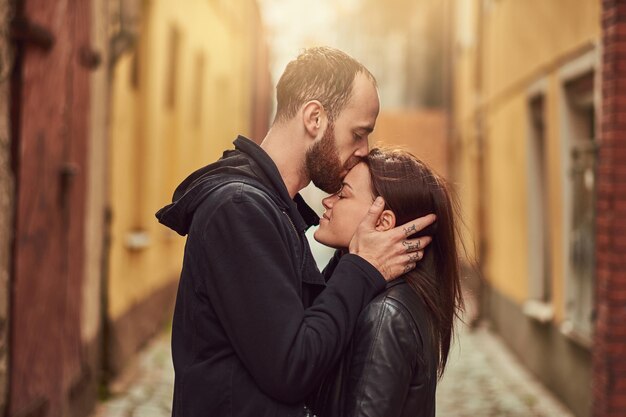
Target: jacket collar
[397, 281]
[298, 210]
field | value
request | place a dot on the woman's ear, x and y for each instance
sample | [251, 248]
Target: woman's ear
[386, 221]
[313, 118]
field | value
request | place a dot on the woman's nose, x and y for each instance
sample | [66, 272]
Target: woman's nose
[329, 201]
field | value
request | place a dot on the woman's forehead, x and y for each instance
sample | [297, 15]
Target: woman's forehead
[358, 177]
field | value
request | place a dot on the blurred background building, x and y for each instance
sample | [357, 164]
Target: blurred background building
[105, 105]
[112, 103]
[534, 156]
[526, 95]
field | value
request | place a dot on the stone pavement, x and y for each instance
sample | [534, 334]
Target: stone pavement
[145, 390]
[482, 379]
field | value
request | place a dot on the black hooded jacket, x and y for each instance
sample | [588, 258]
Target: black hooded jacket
[253, 332]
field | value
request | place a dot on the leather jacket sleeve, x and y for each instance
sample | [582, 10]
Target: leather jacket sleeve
[383, 361]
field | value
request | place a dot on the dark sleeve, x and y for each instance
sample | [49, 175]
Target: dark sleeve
[332, 264]
[383, 361]
[255, 292]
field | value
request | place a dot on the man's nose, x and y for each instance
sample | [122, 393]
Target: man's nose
[362, 150]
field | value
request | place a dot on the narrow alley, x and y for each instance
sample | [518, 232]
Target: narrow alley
[482, 379]
[517, 108]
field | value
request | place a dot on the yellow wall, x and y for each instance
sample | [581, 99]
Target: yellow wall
[421, 132]
[526, 38]
[154, 145]
[513, 45]
[505, 200]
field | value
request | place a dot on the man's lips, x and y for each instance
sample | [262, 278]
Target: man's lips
[325, 217]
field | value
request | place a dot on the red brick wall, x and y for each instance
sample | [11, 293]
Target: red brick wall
[6, 196]
[609, 353]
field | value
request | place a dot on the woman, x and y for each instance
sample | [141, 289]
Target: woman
[402, 339]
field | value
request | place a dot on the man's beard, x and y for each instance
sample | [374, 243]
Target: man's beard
[323, 164]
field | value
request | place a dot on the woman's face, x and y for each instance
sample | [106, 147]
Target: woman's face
[346, 209]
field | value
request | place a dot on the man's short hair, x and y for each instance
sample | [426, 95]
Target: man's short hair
[320, 73]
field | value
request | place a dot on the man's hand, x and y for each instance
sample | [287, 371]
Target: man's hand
[391, 251]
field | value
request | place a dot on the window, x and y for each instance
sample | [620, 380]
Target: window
[173, 58]
[539, 304]
[580, 196]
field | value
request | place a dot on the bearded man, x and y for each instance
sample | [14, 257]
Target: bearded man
[255, 326]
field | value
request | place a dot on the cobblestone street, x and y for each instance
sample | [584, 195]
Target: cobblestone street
[146, 390]
[482, 379]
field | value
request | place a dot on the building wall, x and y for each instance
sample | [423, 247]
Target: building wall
[50, 108]
[421, 132]
[98, 122]
[504, 54]
[91, 329]
[179, 98]
[492, 81]
[6, 196]
[609, 359]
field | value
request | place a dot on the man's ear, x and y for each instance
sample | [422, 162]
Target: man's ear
[313, 117]
[386, 221]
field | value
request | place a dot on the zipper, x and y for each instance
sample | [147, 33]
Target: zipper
[292, 225]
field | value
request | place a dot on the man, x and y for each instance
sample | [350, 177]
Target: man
[253, 332]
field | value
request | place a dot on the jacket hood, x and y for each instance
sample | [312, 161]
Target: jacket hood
[178, 215]
[249, 164]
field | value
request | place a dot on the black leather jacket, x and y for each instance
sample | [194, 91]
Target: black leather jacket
[390, 367]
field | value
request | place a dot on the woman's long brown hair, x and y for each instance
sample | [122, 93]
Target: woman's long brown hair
[411, 190]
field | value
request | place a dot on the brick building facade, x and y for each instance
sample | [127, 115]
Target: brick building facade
[6, 194]
[609, 353]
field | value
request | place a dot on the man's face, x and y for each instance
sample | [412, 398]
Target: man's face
[345, 141]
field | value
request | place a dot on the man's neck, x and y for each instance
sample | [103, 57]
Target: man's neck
[283, 144]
